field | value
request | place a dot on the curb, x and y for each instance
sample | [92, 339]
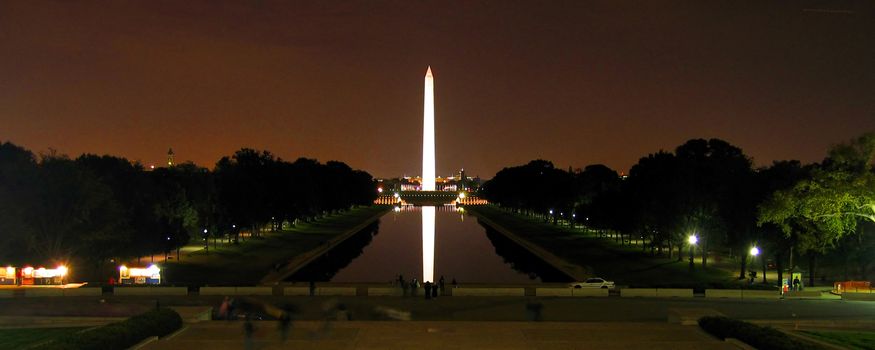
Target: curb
[143, 343]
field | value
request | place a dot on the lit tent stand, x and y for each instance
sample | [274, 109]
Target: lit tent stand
[39, 276]
[138, 275]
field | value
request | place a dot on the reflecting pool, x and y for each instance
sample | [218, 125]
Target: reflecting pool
[427, 243]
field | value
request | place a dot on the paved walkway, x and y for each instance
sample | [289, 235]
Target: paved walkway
[444, 335]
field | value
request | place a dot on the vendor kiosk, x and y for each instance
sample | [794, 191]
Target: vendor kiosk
[788, 285]
[43, 276]
[139, 275]
[9, 276]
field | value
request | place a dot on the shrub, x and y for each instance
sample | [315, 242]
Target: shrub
[756, 336]
[121, 335]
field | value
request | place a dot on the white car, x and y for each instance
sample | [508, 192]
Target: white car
[595, 282]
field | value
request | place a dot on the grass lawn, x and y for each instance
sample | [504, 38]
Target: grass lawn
[623, 264]
[852, 340]
[248, 262]
[20, 338]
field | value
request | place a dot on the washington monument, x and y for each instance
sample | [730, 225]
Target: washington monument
[428, 212]
[428, 134]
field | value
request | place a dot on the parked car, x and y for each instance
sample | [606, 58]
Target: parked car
[595, 282]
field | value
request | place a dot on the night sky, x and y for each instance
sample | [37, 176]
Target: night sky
[574, 82]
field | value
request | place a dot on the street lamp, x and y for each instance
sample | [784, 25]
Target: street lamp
[753, 253]
[692, 240]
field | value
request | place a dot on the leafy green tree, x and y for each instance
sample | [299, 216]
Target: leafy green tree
[18, 169]
[820, 210]
[781, 175]
[847, 182]
[74, 214]
[535, 188]
[596, 185]
[652, 192]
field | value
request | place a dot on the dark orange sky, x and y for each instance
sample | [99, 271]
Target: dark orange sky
[575, 82]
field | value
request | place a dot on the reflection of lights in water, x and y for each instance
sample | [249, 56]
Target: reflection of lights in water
[428, 214]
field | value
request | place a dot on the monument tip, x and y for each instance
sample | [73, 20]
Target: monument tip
[428, 73]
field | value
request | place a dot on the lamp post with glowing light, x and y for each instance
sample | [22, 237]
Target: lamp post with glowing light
[692, 240]
[753, 253]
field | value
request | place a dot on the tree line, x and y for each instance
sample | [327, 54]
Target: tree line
[96, 208]
[710, 189]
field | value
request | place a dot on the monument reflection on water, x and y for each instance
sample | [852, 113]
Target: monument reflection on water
[426, 243]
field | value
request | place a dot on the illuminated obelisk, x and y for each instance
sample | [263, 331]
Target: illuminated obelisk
[428, 213]
[428, 134]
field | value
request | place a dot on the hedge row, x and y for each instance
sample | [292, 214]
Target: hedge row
[700, 287]
[756, 336]
[121, 335]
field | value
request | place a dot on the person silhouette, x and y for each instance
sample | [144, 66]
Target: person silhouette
[427, 286]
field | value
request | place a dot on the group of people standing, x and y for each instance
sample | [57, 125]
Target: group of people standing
[431, 289]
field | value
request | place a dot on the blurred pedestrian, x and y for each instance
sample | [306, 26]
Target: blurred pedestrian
[330, 310]
[284, 325]
[427, 286]
[223, 309]
[232, 305]
[533, 311]
[248, 331]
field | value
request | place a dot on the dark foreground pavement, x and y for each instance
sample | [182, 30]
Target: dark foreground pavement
[442, 335]
[561, 309]
[451, 322]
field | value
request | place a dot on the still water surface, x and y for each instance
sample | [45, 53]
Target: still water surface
[401, 242]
